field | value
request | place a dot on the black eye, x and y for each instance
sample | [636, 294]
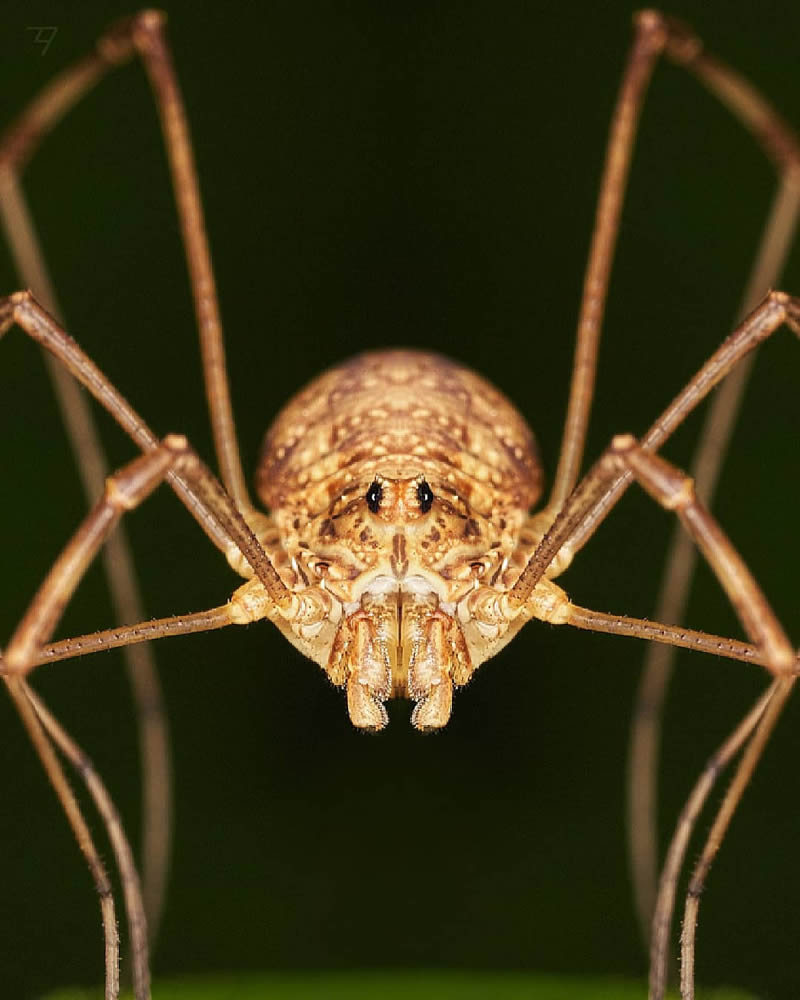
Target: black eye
[374, 497]
[425, 497]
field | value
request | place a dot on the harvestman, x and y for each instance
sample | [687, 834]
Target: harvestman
[400, 553]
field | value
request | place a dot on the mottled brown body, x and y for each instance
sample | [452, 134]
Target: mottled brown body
[453, 471]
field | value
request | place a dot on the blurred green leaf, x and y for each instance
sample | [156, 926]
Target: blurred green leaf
[388, 985]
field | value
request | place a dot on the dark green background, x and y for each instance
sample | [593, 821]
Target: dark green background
[385, 174]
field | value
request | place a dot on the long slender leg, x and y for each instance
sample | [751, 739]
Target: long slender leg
[592, 499]
[674, 490]
[144, 34]
[124, 490]
[672, 635]
[224, 615]
[17, 690]
[780, 143]
[127, 635]
[776, 241]
[777, 308]
[655, 34]
[744, 772]
[150, 41]
[132, 892]
[662, 913]
[196, 486]
[681, 561]
[647, 45]
[117, 560]
[201, 493]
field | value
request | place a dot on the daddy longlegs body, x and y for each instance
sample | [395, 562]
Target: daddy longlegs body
[624, 445]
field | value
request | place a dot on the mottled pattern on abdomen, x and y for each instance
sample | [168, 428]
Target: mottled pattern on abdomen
[403, 413]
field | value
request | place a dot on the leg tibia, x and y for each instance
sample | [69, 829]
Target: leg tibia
[674, 490]
[124, 491]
